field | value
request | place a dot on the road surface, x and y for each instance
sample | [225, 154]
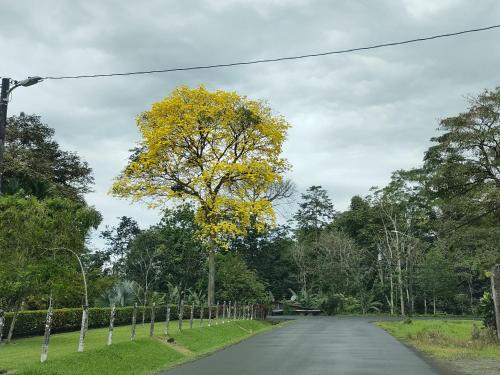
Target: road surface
[314, 345]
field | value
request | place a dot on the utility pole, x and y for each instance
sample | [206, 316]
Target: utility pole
[4, 101]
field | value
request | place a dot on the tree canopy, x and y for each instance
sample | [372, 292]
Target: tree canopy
[35, 164]
[219, 150]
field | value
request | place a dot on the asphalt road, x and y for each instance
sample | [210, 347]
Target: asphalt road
[315, 345]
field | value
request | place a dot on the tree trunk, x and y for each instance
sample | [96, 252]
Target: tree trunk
[217, 314]
[425, 305]
[134, 322]
[167, 321]
[495, 294]
[211, 277]
[181, 313]
[83, 328]
[191, 316]
[13, 322]
[145, 301]
[229, 311]
[46, 336]
[434, 304]
[400, 287]
[111, 324]
[408, 300]
[2, 323]
[471, 294]
[392, 294]
[152, 326]
[209, 315]
[223, 312]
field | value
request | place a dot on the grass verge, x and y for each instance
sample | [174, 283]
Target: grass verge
[446, 339]
[143, 356]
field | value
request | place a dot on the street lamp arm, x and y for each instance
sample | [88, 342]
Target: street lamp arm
[30, 81]
[81, 268]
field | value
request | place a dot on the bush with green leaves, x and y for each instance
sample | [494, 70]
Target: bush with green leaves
[32, 323]
[236, 282]
[307, 298]
[332, 303]
[487, 311]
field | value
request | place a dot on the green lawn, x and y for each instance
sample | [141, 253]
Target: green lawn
[449, 339]
[143, 356]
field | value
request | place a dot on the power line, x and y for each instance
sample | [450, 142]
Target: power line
[251, 62]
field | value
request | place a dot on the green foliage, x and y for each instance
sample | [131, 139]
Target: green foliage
[487, 311]
[156, 258]
[351, 305]
[118, 240]
[35, 165]
[236, 282]
[436, 277]
[268, 253]
[196, 297]
[35, 237]
[122, 294]
[332, 304]
[315, 211]
[367, 301]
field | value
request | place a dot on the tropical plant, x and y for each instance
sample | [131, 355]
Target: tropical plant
[307, 299]
[121, 294]
[173, 294]
[196, 297]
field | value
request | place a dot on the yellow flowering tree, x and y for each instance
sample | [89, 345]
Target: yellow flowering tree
[219, 150]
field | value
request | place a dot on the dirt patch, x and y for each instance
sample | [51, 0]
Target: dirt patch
[173, 344]
[481, 366]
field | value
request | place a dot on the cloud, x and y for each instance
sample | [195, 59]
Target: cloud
[356, 118]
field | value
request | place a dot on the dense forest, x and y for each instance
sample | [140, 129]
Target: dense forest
[424, 243]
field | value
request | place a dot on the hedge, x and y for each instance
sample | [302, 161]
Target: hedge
[32, 322]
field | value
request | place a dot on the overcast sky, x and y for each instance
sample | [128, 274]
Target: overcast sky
[355, 117]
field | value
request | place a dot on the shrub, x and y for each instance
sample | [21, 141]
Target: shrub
[351, 305]
[487, 311]
[32, 323]
[332, 303]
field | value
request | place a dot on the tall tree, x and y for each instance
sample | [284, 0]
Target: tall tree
[401, 217]
[182, 259]
[467, 155]
[118, 240]
[211, 148]
[461, 183]
[315, 211]
[35, 164]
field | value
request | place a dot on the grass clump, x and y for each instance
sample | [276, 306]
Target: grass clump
[449, 339]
